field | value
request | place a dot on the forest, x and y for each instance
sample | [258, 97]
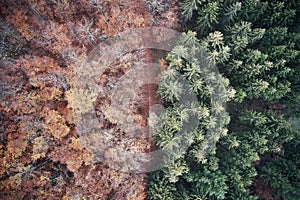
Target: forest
[228, 125]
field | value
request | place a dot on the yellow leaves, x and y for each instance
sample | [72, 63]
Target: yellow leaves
[39, 148]
[51, 93]
[81, 100]
[44, 178]
[74, 162]
[16, 146]
[139, 21]
[140, 196]
[55, 125]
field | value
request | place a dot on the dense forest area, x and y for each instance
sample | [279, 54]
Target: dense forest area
[255, 45]
[230, 89]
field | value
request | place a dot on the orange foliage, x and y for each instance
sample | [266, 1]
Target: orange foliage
[72, 153]
[20, 20]
[41, 156]
[55, 124]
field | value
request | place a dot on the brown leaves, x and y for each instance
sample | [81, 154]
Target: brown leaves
[19, 140]
[40, 125]
[12, 182]
[16, 146]
[55, 125]
[99, 182]
[72, 153]
[20, 20]
[120, 17]
[52, 93]
[37, 64]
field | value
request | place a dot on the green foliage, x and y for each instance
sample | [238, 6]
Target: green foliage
[170, 88]
[188, 7]
[255, 44]
[277, 14]
[262, 132]
[253, 10]
[244, 195]
[175, 170]
[159, 188]
[283, 174]
[207, 184]
[268, 131]
[157, 6]
[251, 26]
[230, 12]
[170, 130]
[208, 17]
